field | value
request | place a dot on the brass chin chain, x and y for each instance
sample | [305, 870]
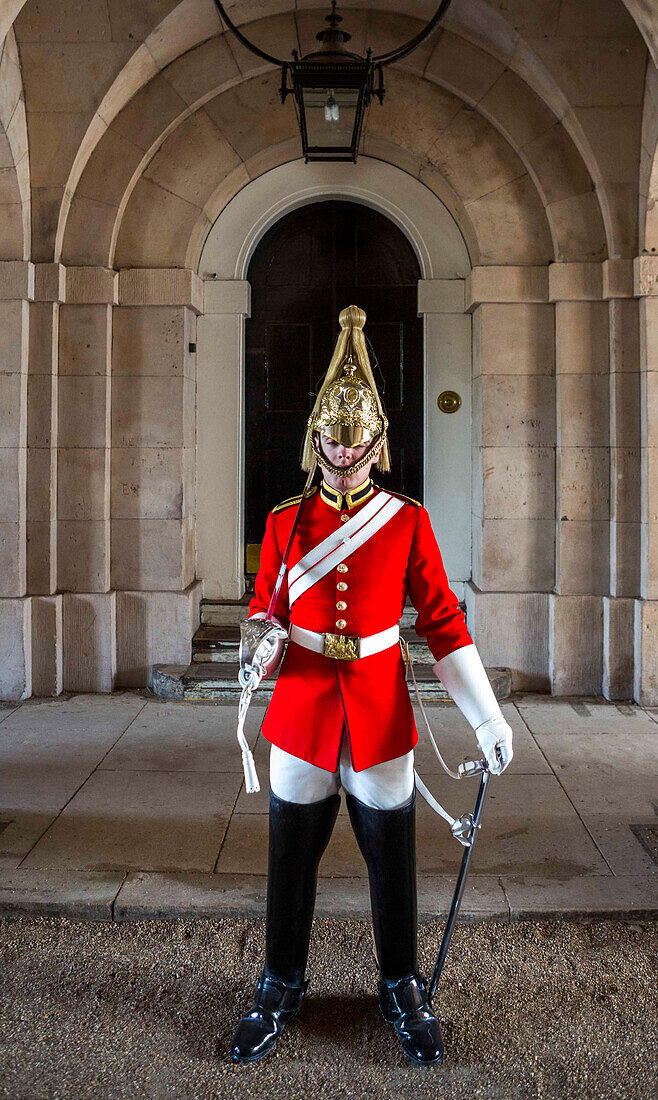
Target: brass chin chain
[343, 470]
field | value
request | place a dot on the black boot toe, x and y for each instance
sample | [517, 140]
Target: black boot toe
[404, 1004]
[275, 1004]
[254, 1037]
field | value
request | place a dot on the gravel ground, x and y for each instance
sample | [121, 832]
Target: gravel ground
[147, 1009]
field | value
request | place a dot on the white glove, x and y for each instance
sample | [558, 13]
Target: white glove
[464, 677]
[495, 739]
[274, 661]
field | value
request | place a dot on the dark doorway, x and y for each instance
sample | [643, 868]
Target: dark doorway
[310, 265]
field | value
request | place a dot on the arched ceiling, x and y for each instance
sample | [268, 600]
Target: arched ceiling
[143, 119]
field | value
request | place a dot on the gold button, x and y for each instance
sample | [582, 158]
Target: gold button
[341, 605]
[344, 519]
[340, 624]
[342, 568]
[341, 586]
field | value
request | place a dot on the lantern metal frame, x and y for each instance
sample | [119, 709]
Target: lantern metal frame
[332, 66]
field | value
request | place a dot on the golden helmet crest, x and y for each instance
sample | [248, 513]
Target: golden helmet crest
[348, 407]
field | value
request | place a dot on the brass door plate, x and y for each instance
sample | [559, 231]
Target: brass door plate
[449, 401]
[253, 557]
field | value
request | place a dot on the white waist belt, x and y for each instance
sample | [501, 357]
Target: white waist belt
[345, 647]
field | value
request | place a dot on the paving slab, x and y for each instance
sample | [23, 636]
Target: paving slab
[606, 773]
[19, 832]
[528, 827]
[584, 716]
[97, 716]
[168, 737]
[619, 844]
[49, 748]
[610, 896]
[145, 896]
[82, 895]
[8, 708]
[138, 820]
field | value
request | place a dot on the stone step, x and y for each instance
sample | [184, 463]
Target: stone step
[219, 680]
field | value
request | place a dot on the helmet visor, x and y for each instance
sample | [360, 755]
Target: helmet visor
[350, 435]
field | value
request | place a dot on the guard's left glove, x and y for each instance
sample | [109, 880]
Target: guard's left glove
[464, 677]
[495, 739]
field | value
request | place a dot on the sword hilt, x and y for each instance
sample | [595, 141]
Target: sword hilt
[468, 768]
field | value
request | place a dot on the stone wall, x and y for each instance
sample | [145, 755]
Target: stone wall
[97, 446]
[126, 130]
[99, 494]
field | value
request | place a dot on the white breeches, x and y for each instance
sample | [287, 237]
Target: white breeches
[385, 786]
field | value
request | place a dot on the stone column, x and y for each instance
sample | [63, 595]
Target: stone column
[582, 575]
[625, 480]
[513, 469]
[153, 470]
[646, 607]
[16, 287]
[220, 492]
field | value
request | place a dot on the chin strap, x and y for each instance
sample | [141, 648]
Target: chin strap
[356, 466]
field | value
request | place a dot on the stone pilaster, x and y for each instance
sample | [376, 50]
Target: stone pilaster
[583, 433]
[153, 437]
[153, 470]
[646, 609]
[83, 451]
[513, 430]
[221, 400]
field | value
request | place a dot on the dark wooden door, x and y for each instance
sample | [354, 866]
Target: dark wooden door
[309, 266]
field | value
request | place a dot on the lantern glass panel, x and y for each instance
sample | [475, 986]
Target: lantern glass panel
[330, 116]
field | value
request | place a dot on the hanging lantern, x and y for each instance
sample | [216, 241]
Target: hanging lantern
[332, 87]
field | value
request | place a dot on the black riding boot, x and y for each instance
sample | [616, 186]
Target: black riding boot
[387, 839]
[299, 834]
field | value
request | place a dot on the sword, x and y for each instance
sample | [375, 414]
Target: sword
[471, 824]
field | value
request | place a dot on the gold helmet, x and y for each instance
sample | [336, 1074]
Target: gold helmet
[348, 407]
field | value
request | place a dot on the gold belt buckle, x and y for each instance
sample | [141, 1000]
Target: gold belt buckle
[343, 647]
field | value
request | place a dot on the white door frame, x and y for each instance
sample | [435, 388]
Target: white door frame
[444, 264]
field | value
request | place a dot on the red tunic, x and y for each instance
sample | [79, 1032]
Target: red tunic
[314, 695]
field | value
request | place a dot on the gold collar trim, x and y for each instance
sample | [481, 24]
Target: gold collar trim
[348, 500]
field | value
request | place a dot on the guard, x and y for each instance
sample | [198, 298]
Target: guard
[342, 559]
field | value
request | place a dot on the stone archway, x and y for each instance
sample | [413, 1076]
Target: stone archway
[444, 263]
